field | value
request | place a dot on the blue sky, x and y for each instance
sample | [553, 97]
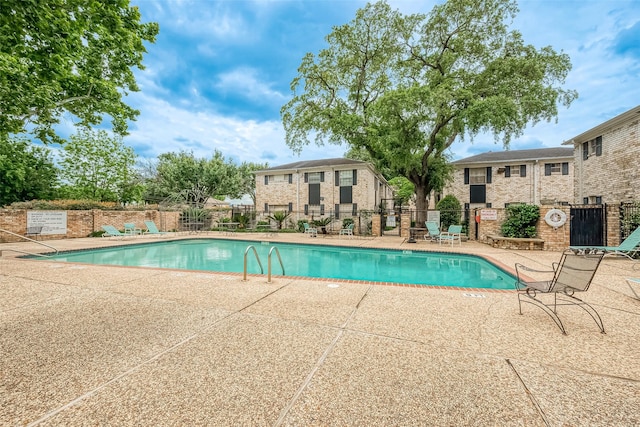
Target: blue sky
[220, 71]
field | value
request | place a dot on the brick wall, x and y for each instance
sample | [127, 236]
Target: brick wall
[282, 193]
[83, 223]
[614, 175]
[533, 188]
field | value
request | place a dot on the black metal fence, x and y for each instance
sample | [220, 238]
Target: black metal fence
[629, 218]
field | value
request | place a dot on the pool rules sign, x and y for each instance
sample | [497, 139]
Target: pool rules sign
[52, 222]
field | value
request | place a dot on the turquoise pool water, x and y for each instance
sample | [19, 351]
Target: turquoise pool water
[375, 265]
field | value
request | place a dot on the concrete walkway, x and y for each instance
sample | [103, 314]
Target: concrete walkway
[100, 345]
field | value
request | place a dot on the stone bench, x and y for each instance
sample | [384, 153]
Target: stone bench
[502, 242]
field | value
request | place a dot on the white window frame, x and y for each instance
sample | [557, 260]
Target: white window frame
[273, 179]
[477, 176]
[313, 177]
[346, 178]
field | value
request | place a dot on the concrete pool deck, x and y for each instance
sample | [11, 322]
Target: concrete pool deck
[102, 345]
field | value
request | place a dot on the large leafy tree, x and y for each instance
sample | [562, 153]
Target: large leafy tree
[194, 179]
[27, 172]
[71, 56]
[247, 177]
[404, 88]
[97, 166]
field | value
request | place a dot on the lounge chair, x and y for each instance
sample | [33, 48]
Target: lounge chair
[347, 231]
[572, 274]
[153, 229]
[311, 231]
[111, 231]
[634, 283]
[433, 231]
[629, 248]
[453, 234]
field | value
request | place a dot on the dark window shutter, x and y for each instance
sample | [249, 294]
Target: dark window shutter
[477, 193]
[598, 200]
[354, 211]
[306, 177]
[355, 177]
[585, 150]
[523, 171]
[337, 178]
[585, 200]
[314, 194]
[346, 194]
[290, 178]
[488, 174]
[507, 171]
[290, 207]
[321, 209]
[266, 207]
[547, 169]
[266, 180]
[488, 205]
[565, 168]
[599, 146]
[337, 211]
[321, 176]
[466, 175]
[306, 209]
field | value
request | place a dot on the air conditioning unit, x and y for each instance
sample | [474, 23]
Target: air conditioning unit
[501, 170]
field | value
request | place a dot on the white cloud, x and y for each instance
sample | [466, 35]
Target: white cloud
[244, 82]
[164, 128]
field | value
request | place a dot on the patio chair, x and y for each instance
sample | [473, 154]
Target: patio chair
[634, 282]
[347, 231]
[433, 231]
[111, 231]
[453, 234]
[131, 229]
[629, 248]
[311, 231]
[574, 273]
[153, 229]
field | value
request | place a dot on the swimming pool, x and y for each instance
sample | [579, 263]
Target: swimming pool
[332, 262]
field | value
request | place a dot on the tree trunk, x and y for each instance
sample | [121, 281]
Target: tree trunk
[421, 205]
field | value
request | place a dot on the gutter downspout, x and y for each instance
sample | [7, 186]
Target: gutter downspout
[536, 198]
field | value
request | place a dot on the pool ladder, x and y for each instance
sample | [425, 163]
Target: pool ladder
[273, 248]
[28, 239]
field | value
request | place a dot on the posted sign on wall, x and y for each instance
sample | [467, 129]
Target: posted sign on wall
[488, 214]
[52, 222]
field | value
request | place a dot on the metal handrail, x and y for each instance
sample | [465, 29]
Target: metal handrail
[244, 277]
[269, 263]
[30, 240]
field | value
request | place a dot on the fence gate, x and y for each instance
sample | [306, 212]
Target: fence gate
[587, 225]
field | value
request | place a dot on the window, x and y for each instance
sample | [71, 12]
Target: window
[592, 148]
[556, 168]
[346, 178]
[278, 178]
[513, 170]
[273, 179]
[278, 208]
[477, 176]
[314, 178]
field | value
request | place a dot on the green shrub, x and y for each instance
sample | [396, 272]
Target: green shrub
[521, 221]
[450, 211]
[347, 222]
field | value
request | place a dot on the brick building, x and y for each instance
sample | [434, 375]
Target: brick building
[338, 187]
[496, 179]
[606, 161]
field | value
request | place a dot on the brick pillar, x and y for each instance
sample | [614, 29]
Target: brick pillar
[376, 221]
[405, 224]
